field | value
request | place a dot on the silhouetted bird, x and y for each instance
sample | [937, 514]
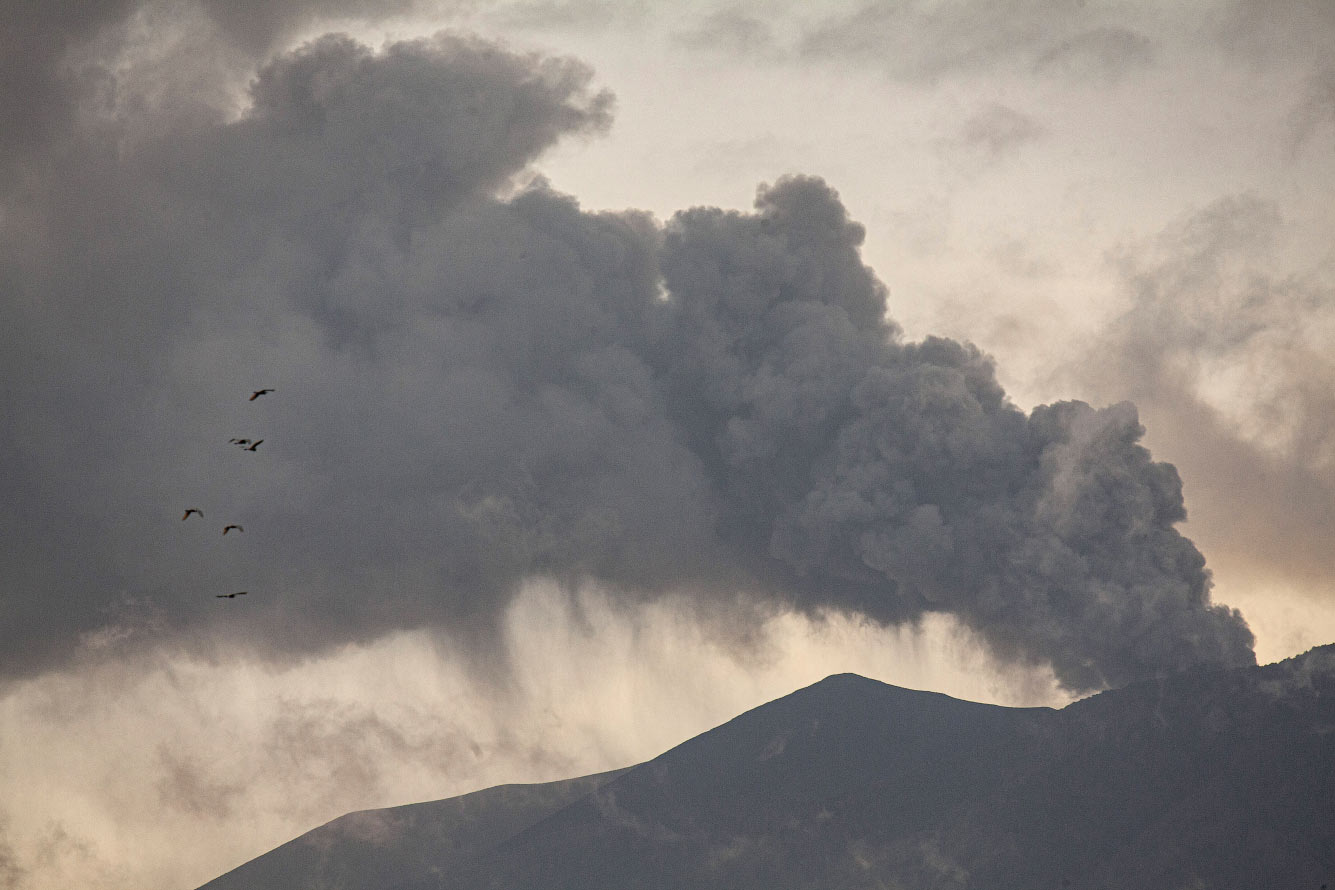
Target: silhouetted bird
[228, 596]
[228, 528]
[255, 445]
[239, 441]
[188, 512]
[257, 393]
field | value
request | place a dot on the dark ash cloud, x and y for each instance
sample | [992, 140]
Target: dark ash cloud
[37, 91]
[148, 287]
[58, 68]
[892, 479]
[471, 392]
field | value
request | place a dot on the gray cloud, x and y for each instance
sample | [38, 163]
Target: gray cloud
[11, 873]
[730, 30]
[995, 131]
[188, 786]
[896, 479]
[1316, 110]
[1297, 35]
[221, 234]
[569, 14]
[37, 93]
[1286, 31]
[58, 60]
[259, 25]
[1101, 54]
[929, 40]
[1228, 356]
[471, 392]
[342, 753]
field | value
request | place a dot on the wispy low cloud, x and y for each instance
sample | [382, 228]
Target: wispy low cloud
[1314, 116]
[993, 132]
[734, 30]
[1227, 353]
[562, 15]
[11, 873]
[1296, 36]
[163, 771]
[1275, 31]
[931, 40]
[1102, 54]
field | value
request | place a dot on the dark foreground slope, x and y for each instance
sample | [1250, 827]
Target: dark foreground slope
[378, 849]
[1222, 779]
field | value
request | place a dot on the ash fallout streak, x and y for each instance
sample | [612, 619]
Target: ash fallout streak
[714, 407]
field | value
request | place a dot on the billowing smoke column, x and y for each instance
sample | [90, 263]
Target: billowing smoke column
[890, 479]
[470, 392]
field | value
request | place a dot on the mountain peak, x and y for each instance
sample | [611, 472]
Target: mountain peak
[1219, 779]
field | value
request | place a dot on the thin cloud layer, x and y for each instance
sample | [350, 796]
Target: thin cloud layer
[471, 392]
[995, 131]
[162, 773]
[1229, 356]
[927, 40]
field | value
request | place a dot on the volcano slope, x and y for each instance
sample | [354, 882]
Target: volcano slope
[1208, 779]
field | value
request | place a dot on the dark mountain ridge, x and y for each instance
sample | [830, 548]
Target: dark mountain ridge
[1206, 779]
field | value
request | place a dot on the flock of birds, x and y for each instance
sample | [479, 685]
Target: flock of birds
[244, 445]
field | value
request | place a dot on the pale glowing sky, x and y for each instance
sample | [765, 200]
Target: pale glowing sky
[1114, 200]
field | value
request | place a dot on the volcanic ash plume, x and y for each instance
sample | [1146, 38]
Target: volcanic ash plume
[858, 472]
[470, 392]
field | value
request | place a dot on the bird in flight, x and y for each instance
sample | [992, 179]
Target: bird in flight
[229, 595]
[254, 446]
[191, 510]
[257, 393]
[228, 528]
[241, 442]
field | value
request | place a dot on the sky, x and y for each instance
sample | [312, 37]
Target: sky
[632, 364]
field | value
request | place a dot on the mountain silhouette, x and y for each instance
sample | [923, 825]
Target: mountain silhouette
[1212, 779]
